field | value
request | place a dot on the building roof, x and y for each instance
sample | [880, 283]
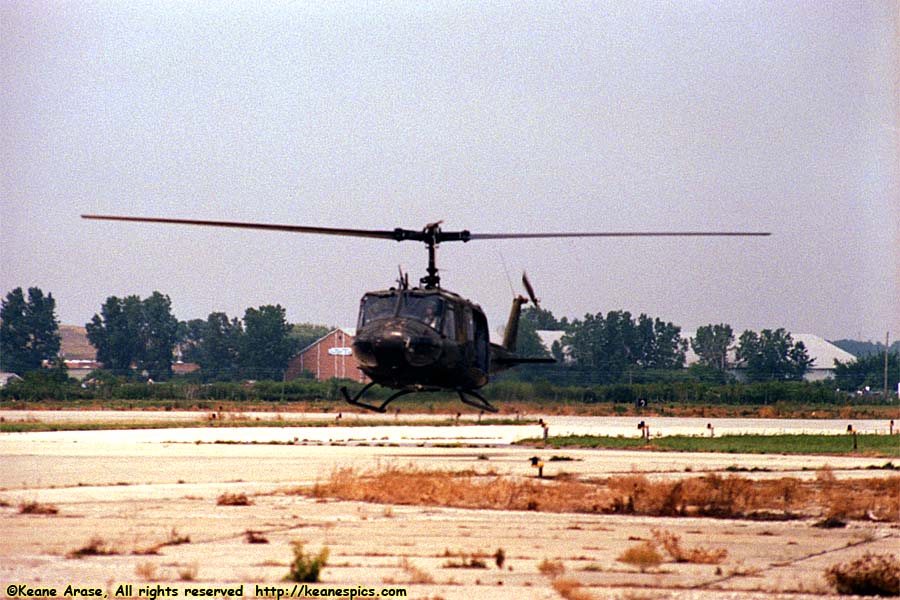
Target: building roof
[74, 344]
[6, 377]
[348, 331]
[549, 336]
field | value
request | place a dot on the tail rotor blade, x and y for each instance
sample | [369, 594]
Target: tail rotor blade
[530, 290]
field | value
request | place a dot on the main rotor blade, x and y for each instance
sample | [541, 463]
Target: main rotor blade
[502, 236]
[430, 234]
[397, 234]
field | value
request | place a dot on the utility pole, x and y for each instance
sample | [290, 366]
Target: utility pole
[887, 345]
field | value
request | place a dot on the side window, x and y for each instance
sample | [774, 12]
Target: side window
[450, 322]
[470, 326]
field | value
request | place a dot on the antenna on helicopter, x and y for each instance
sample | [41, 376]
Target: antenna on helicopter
[403, 279]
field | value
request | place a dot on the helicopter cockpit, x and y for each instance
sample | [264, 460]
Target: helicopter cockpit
[428, 308]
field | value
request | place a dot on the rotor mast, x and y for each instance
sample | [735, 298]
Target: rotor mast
[431, 235]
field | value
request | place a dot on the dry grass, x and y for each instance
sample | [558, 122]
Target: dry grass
[570, 589]
[305, 567]
[551, 568]
[188, 572]
[871, 575]
[232, 499]
[698, 555]
[466, 560]
[709, 495]
[96, 546]
[393, 485]
[644, 556]
[415, 574]
[146, 570]
[255, 537]
[37, 508]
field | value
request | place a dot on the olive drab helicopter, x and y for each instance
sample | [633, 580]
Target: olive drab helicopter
[426, 338]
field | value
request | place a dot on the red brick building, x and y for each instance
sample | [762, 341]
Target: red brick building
[328, 357]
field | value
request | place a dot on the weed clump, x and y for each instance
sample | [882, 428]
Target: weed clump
[571, 589]
[871, 575]
[255, 537]
[96, 546]
[551, 568]
[466, 561]
[230, 499]
[305, 568]
[644, 556]
[36, 508]
[416, 574]
[696, 556]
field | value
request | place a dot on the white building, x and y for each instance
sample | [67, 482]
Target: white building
[822, 352]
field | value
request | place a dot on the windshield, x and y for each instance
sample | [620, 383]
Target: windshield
[376, 307]
[427, 309]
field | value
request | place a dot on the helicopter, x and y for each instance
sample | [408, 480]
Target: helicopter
[427, 338]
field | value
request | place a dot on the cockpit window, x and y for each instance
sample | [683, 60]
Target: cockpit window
[376, 307]
[427, 309]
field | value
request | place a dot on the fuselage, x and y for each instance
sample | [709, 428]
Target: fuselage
[422, 339]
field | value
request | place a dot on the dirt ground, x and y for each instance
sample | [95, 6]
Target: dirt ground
[136, 495]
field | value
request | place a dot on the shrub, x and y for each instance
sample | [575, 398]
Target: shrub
[697, 556]
[643, 556]
[255, 537]
[571, 589]
[36, 508]
[95, 547]
[229, 499]
[871, 575]
[305, 567]
[416, 575]
[552, 568]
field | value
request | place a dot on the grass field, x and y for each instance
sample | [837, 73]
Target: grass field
[869, 444]
[237, 421]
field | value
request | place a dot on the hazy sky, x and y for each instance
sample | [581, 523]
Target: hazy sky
[522, 117]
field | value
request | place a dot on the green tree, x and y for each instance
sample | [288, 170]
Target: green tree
[711, 343]
[615, 346]
[305, 334]
[265, 347]
[659, 344]
[218, 352]
[29, 330]
[116, 333]
[131, 333]
[159, 334]
[867, 371]
[772, 355]
[528, 342]
[543, 319]
[190, 337]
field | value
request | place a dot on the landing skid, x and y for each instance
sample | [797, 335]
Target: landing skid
[479, 402]
[381, 408]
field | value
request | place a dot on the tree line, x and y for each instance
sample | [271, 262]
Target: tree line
[617, 348]
[141, 337]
